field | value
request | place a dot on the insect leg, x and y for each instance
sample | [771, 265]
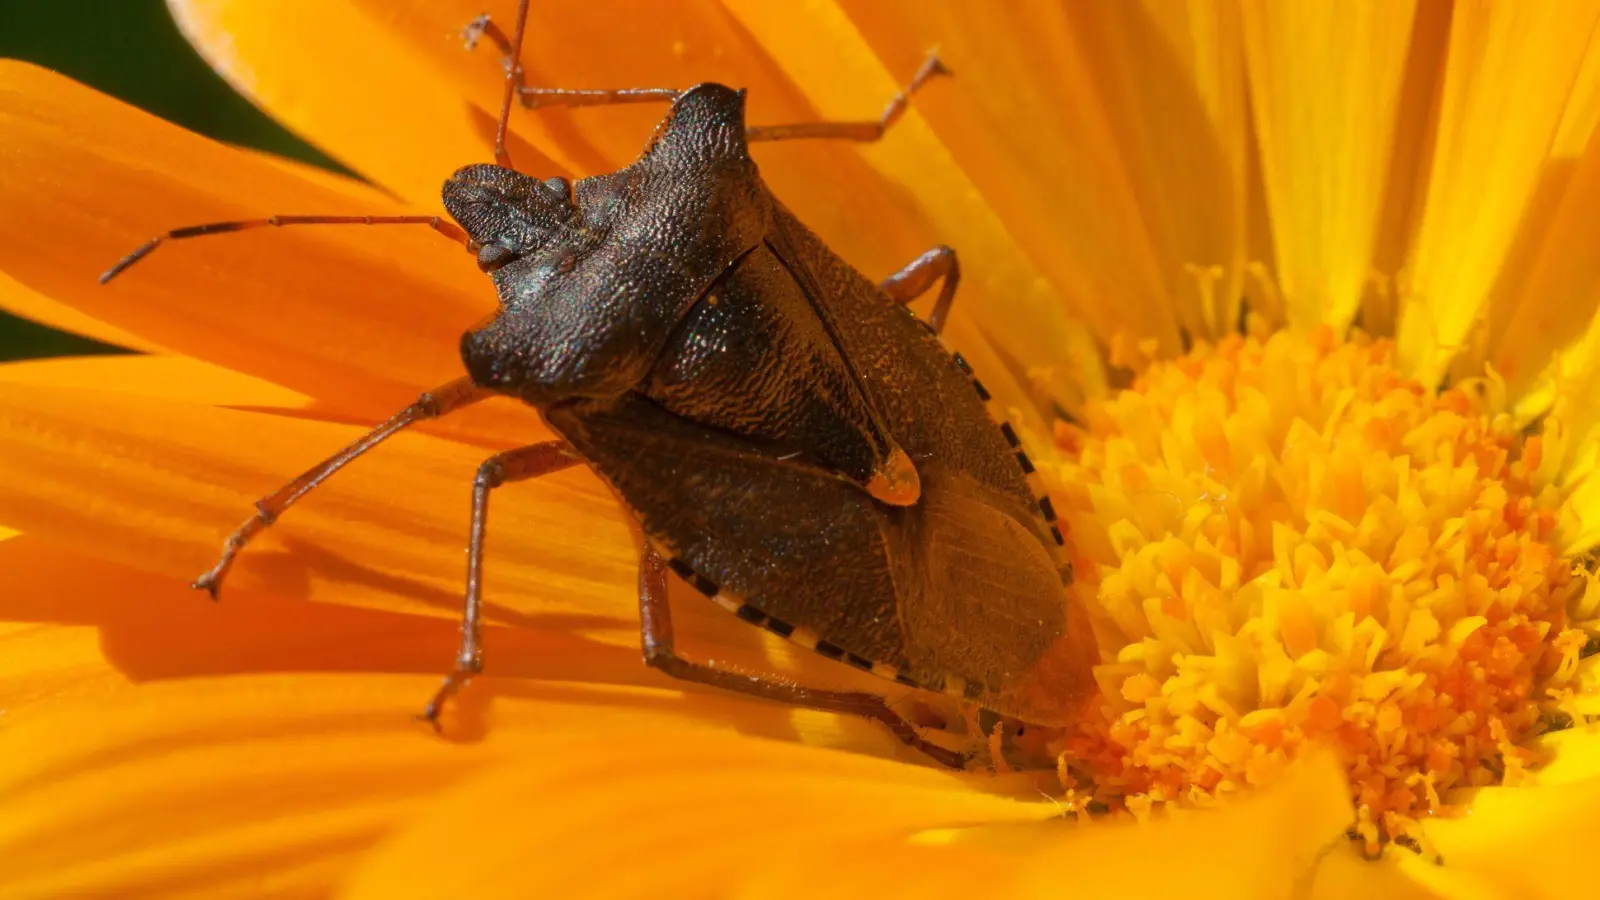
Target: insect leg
[911, 282]
[853, 131]
[520, 464]
[532, 98]
[513, 63]
[437, 223]
[431, 405]
[655, 623]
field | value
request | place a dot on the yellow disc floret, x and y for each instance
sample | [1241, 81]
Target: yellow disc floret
[1289, 542]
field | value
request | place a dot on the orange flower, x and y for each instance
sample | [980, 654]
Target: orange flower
[1315, 571]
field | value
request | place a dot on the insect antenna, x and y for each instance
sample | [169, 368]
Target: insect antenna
[437, 223]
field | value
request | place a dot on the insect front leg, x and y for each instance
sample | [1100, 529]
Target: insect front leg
[911, 282]
[485, 28]
[655, 625]
[520, 464]
[517, 90]
[430, 405]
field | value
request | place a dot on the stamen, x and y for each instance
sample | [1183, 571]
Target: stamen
[1297, 545]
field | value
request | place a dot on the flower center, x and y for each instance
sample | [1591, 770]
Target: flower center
[1289, 543]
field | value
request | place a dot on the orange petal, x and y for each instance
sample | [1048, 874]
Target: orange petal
[235, 786]
[213, 788]
[341, 77]
[874, 222]
[80, 626]
[45, 663]
[177, 378]
[321, 94]
[156, 486]
[360, 319]
[21, 300]
[878, 224]
[1050, 217]
[1108, 139]
[873, 870]
[754, 820]
[828, 184]
[77, 629]
[690, 810]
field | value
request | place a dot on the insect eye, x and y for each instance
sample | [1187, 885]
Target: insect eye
[561, 187]
[493, 256]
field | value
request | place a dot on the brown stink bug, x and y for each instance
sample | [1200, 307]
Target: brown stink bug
[789, 437]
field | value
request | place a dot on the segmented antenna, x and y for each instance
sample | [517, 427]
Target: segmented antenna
[442, 225]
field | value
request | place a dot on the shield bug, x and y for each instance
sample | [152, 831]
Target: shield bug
[790, 438]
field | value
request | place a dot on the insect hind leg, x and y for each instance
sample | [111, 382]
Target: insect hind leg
[655, 624]
[917, 278]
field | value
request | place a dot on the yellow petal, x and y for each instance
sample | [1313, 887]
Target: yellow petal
[1344, 874]
[1575, 755]
[1263, 845]
[1172, 80]
[1409, 160]
[1548, 300]
[688, 810]
[1510, 74]
[1274, 844]
[1326, 81]
[1583, 107]
[1525, 841]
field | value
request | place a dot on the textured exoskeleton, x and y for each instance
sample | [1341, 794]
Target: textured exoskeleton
[795, 440]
